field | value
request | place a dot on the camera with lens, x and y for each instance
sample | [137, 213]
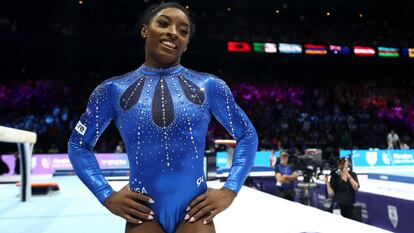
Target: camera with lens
[309, 164]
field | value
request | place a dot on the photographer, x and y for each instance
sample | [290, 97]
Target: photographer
[342, 188]
[286, 175]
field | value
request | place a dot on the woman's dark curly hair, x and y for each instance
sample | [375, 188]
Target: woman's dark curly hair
[151, 11]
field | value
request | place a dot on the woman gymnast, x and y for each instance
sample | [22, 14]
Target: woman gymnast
[162, 111]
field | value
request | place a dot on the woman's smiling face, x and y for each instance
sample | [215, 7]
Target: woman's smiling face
[166, 37]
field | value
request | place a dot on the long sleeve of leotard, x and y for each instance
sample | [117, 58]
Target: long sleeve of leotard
[92, 123]
[229, 114]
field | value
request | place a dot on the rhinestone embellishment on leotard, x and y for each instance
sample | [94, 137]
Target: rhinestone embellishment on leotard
[191, 91]
[130, 97]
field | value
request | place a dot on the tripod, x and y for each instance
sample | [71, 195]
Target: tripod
[306, 186]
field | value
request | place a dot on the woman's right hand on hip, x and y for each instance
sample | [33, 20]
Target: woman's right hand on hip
[126, 204]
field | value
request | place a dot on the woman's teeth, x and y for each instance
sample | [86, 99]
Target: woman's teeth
[168, 44]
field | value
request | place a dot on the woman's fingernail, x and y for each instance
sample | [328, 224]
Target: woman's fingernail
[152, 212]
[187, 217]
[188, 208]
[192, 219]
[150, 217]
[205, 222]
[139, 221]
[151, 201]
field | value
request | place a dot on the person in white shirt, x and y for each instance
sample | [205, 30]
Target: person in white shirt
[393, 140]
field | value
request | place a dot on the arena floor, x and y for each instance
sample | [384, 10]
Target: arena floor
[75, 209]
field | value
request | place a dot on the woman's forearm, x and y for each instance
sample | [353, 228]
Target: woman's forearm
[331, 193]
[354, 184]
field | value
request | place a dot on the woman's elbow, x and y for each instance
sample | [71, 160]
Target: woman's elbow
[75, 149]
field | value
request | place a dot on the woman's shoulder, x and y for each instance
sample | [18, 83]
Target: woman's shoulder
[118, 78]
[204, 76]
[116, 82]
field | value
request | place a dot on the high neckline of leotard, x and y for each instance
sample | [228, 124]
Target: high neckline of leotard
[156, 71]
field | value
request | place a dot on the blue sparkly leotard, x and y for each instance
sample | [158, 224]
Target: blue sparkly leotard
[162, 116]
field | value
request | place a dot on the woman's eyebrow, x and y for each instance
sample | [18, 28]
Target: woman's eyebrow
[169, 18]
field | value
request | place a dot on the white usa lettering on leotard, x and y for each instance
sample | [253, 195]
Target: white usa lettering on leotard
[140, 190]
